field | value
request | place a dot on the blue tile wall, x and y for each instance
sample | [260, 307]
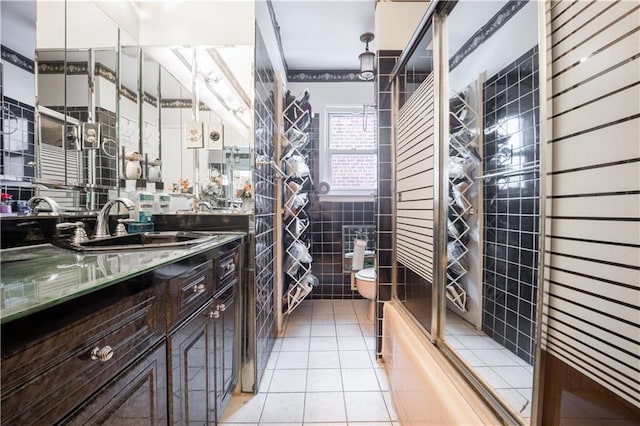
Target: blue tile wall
[511, 205]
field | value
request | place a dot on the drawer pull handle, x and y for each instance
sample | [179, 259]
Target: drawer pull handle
[103, 355]
[231, 266]
[199, 288]
[213, 314]
[221, 307]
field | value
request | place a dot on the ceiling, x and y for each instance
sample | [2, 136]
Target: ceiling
[324, 34]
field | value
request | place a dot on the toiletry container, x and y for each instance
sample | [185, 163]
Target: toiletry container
[143, 201]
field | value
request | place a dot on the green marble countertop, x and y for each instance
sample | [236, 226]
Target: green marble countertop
[36, 277]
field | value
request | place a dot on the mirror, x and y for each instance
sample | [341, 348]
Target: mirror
[150, 120]
[76, 139]
[224, 163]
[351, 233]
[85, 82]
[129, 110]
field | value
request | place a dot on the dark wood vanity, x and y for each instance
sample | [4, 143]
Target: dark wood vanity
[157, 348]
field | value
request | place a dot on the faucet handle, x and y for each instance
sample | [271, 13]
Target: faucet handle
[79, 236]
[121, 229]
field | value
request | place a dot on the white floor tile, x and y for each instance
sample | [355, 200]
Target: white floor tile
[244, 408]
[323, 344]
[348, 330]
[344, 310]
[344, 302]
[367, 329]
[479, 342]
[346, 319]
[361, 305]
[351, 343]
[324, 359]
[360, 380]
[496, 357]
[265, 381]
[295, 344]
[526, 392]
[288, 381]
[273, 358]
[370, 342]
[514, 399]
[277, 344]
[324, 407]
[323, 330]
[323, 319]
[453, 342]
[470, 357]
[283, 408]
[324, 380]
[322, 310]
[366, 406]
[517, 377]
[388, 399]
[383, 379]
[492, 378]
[297, 330]
[237, 424]
[355, 359]
[370, 423]
[292, 360]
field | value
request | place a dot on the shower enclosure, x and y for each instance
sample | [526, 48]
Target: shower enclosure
[466, 153]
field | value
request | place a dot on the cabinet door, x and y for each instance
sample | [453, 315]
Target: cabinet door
[225, 351]
[192, 398]
[136, 396]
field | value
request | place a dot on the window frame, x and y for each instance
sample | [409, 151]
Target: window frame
[325, 153]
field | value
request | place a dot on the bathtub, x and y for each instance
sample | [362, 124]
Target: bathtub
[426, 388]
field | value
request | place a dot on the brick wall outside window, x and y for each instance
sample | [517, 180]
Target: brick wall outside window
[353, 158]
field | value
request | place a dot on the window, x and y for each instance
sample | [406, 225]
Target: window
[349, 156]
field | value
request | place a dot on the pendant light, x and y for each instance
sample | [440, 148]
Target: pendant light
[366, 58]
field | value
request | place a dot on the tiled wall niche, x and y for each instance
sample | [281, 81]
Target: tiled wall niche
[511, 205]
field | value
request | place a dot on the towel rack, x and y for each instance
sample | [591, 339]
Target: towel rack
[504, 173]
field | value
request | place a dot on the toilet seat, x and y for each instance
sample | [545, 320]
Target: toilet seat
[367, 274]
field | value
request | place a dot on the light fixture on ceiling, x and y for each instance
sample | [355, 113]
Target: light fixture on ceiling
[366, 58]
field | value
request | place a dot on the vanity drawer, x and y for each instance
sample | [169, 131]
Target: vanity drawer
[54, 360]
[228, 266]
[188, 291]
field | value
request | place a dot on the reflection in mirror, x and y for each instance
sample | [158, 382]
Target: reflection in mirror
[493, 150]
[76, 87]
[129, 113]
[149, 128]
[351, 233]
[226, 156]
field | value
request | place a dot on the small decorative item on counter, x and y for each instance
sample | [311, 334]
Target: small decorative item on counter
[155, 172]
[5, 207]
[245, 191]
[244, 194]
[133, 170]
[182, 187]
[212, 190]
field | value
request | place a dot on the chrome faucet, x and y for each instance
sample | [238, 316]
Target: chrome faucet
[33, 203]
[206, 204]
[102, 223]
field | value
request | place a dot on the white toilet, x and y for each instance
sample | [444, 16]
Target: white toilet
[367, 286]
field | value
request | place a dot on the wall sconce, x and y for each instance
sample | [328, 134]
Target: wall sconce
[366, 58]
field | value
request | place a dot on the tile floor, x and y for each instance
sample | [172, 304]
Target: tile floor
[323, 370]
[509, 375]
